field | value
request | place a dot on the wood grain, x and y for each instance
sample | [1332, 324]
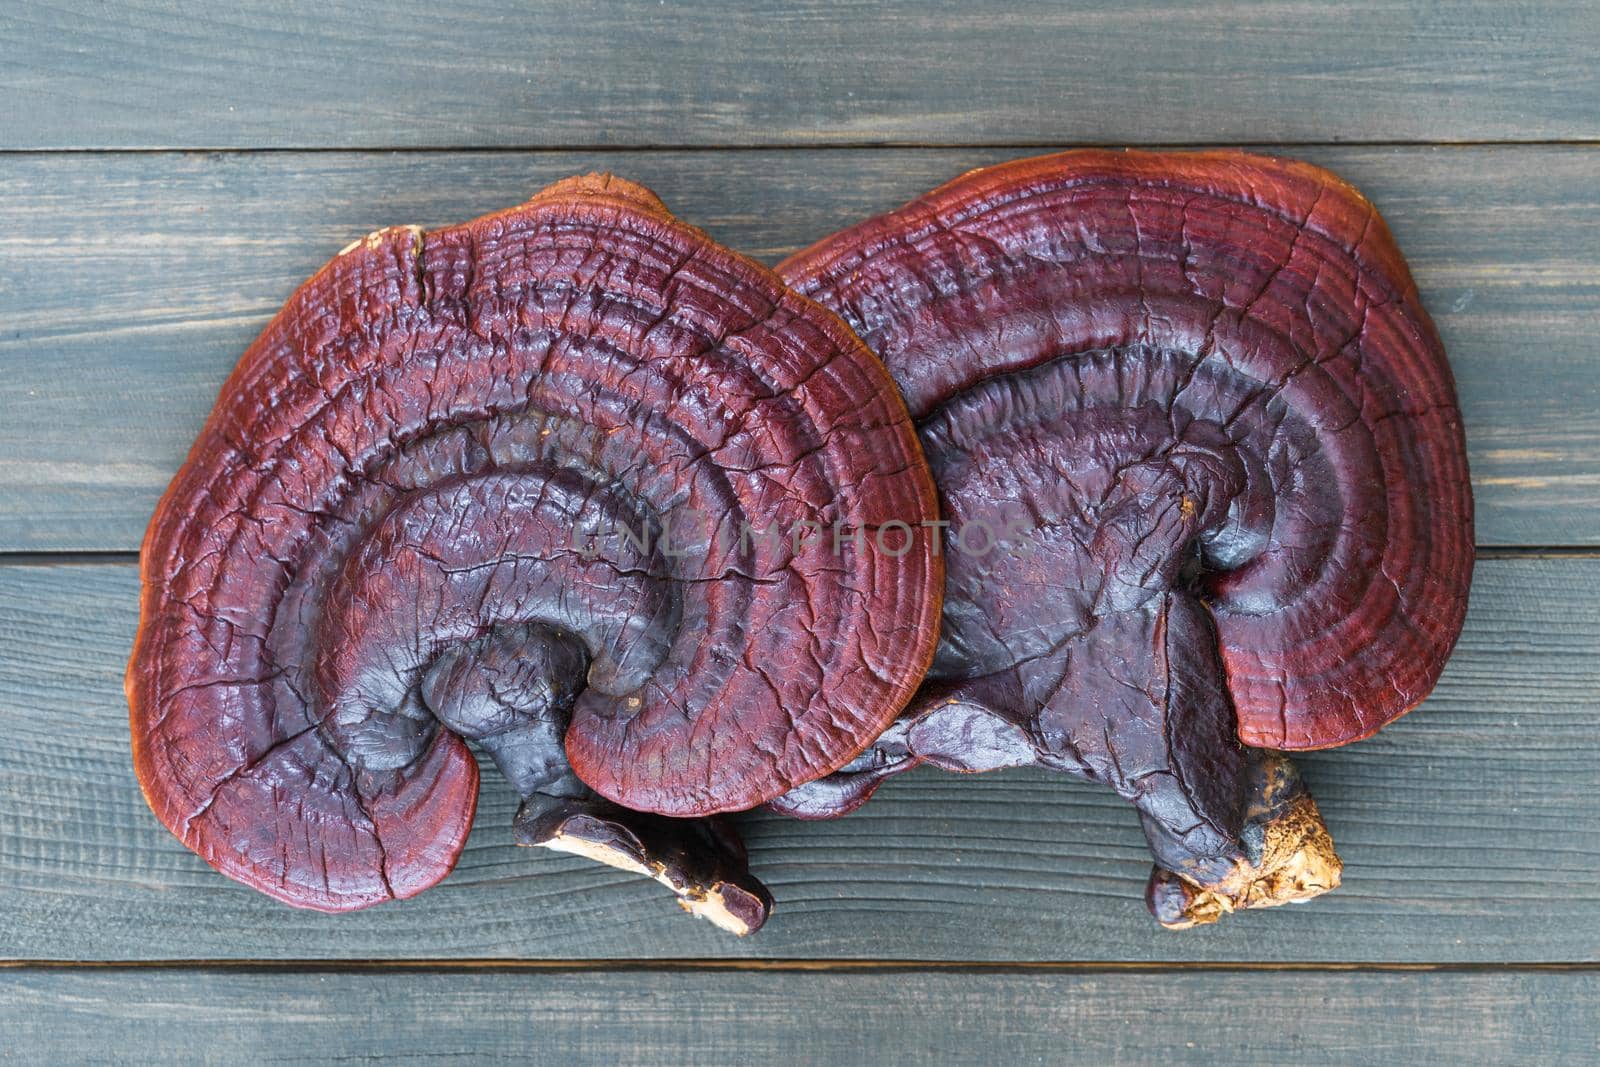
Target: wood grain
[358, 74]
[709, 1018]
[1469, 830]
[130, 284]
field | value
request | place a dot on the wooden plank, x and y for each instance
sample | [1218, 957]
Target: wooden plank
[130, 284]
[356, 74]
[709, 1017]
[1469, 830]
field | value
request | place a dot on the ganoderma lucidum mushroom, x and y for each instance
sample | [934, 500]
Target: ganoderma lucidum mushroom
[1201, 396]
[475, 484]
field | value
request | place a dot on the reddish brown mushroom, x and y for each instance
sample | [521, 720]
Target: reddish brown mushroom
[1200, 395]
[498, 482]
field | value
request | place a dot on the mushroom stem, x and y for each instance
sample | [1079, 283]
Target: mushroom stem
[701, 860]
[512, 692]
[1231, 827]
[1288, 857]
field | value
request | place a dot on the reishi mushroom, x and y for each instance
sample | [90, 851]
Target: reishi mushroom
[1201, 396]
[495, 482]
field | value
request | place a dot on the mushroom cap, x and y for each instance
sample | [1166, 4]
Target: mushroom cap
[578, 418]
[1239, 320]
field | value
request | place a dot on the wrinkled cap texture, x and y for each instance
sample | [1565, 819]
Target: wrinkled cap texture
[541, 430]
[1207, 373]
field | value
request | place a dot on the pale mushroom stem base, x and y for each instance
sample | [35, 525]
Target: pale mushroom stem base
[701, 860]
[1289, 858]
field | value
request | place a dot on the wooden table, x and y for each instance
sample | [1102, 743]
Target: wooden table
[170, 171]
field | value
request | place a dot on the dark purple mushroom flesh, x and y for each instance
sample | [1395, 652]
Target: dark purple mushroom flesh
[1204, 445]
[497, 482]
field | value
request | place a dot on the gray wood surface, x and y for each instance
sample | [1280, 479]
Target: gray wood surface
[1469, 828]
[131, 284]
[335, 73]
[708, 1018]
[130, 281]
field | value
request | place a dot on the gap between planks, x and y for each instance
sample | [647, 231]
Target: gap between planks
[830, 966]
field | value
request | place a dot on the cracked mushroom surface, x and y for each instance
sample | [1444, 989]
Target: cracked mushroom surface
[493, 483]
[1200, 395]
